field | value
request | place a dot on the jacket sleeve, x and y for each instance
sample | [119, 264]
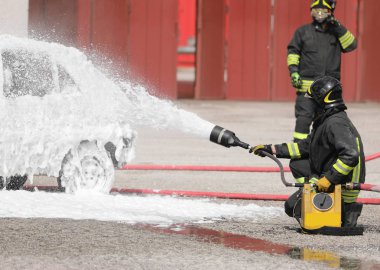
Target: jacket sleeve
[346, 39]
[298, 150]
[294, 52]
[345, 143]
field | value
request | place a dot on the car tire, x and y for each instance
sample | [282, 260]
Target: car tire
[88, 167]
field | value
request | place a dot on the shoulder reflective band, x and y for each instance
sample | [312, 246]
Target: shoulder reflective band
[300, 136]
[347, 39]
[294, 152]
[342, 168]
[293, 59]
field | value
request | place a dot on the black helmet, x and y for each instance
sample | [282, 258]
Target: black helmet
[326, 91]
[330, 4]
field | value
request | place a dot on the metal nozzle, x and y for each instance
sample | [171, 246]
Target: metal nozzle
[226, 138]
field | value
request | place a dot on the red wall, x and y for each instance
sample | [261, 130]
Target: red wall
[153, 44]
[53, 20]
[210, 50]
[249, 41]
[347, 13]
[186, 30]
[368, 55]
[138, 36]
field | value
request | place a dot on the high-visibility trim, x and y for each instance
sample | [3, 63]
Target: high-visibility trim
[293, 59]
[348, 199]
[326, 4]
[351, 193]
[327, 98]
[294, 151]
[357, 169]
[350, 196]
[313, 180]
[300, 180]
[300, 136]
[315, 3]
[342, 168]
[347, 39]
[305, 85]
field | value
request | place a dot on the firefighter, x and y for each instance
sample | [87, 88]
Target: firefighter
[314, 51]
[331, 154]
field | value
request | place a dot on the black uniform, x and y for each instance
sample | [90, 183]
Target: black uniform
[314, 52]
[334, 149]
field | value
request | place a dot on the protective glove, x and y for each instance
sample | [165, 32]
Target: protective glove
[296, 80]
[332, 21]
[259, 149]
[323, 184]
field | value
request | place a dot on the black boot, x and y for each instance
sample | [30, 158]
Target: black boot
[351, 213]
[293, 205]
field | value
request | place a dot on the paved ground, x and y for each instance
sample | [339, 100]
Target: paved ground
[68, 244]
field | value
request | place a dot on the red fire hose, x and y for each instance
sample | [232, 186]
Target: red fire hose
[185, 193]
[241, 196]
[215, 168]
[201, 168]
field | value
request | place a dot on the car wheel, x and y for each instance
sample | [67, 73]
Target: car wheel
[86, 168]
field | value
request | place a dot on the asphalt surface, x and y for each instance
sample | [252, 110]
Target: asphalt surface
[229, 244]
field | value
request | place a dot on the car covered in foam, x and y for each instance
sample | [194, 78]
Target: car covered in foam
[87, 165]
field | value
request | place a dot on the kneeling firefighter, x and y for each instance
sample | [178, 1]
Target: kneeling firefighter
[332, 153]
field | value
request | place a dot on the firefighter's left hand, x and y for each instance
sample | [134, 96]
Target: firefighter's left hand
[323, 184]
[259, 149]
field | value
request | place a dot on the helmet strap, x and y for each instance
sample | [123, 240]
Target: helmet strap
[328, 106]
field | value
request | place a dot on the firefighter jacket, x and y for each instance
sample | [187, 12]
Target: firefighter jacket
[334, 149]
[314, 51]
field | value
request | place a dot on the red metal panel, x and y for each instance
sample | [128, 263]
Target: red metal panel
[210, 50]
[109, 31]
[153, 44]
[84, 24]
[369, 57]
[36, 17]
[288, 16]
[186, 30]
[346, 13]
[139, 40]
[168, 52]
[248, 49]
[53, 20]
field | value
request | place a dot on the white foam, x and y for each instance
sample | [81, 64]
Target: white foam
[129, 209]
[38, 131]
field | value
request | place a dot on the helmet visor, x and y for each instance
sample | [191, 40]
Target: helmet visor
[320, 14]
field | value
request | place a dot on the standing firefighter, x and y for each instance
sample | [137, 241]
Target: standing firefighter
[331, 154]
[315, 51]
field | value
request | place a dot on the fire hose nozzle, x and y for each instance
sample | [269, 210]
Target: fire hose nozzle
[226, 138]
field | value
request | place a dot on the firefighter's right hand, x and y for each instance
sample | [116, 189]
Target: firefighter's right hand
[259, 149]
[323, 184]
[296, 80]
[331, 20]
